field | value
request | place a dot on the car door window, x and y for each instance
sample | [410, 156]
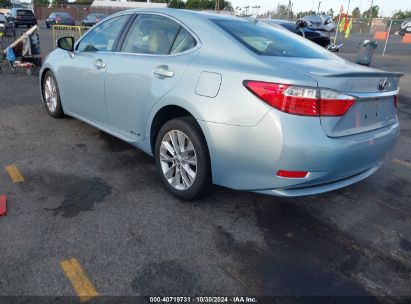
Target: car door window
[184, 42]
[102, 37]
[151, 34]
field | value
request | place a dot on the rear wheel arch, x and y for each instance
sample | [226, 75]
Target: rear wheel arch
[185, 150]
[164, 115]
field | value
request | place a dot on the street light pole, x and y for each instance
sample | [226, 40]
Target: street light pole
[319, 3]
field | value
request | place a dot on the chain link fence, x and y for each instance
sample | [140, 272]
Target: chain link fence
[386, 32]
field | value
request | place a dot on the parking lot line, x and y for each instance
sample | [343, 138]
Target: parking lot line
[81, 284]
[15, 174]
[402, 162]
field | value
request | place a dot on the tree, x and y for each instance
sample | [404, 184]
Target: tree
[177, 4]
[4, 3]
[307, 13]
[330, 13]
[206, 4]
[59, 2]
[372, 12]
[402, 14]
[356, 13]
[41, 2]
[84, 2]
[284, 12]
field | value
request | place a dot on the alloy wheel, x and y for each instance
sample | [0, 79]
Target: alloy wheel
[178, 160]
[50, 93]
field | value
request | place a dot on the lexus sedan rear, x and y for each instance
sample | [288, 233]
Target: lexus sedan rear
[223, 100]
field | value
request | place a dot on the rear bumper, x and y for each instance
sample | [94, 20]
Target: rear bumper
[324, 187]
[249, 158]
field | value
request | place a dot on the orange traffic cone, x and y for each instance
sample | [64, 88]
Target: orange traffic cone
[380, 35]
[406, 38]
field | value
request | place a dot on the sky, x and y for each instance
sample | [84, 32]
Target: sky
[387, 7]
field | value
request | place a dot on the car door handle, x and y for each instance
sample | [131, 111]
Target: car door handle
[163, 72]
[99, 64]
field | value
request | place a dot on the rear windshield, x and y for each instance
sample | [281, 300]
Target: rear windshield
[289, 26]
[65, 15]
[266, 40]
[24, 13]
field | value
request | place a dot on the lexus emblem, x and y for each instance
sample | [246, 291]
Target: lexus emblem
[382, 84]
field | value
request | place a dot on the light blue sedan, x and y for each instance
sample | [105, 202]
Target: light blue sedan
[227, 101]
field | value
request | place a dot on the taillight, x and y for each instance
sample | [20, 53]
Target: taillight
[396, 101]
[58, 19]
[305, 101]
[18, 17]
[333, 103]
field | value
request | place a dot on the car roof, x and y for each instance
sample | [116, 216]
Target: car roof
[180, 13]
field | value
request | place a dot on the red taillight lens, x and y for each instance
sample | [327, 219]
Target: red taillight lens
[18, 17]
[396, 101]
[58, 19]
[333, 103]
[292, 174]
[303, 101]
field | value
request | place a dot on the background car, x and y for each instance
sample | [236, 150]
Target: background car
[225, 100]
[3, 22]
[5, 12]
[23, 17]
[405, 26]
[320, 23]
[59, 18]
[300, 28]
[92, 19]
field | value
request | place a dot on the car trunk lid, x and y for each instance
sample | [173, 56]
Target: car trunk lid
[373, 89]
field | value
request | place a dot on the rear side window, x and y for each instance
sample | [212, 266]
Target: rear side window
[24, 13]
[266, 40]
[184, 42]
[102, 37]
[64, 15]
[157, 35]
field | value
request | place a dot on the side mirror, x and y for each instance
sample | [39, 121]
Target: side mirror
[66, 43]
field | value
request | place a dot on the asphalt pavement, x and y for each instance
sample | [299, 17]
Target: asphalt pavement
[90, 198]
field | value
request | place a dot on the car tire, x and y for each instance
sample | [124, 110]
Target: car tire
[185, 174]
[51, 96]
